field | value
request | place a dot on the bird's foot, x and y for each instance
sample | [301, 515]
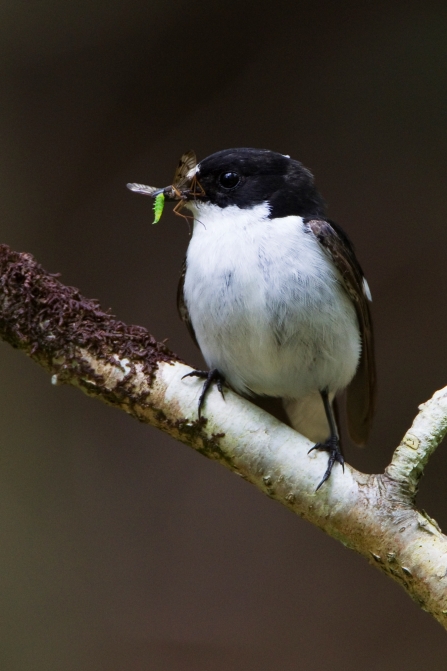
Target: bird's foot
[210, 377]
[332, 445]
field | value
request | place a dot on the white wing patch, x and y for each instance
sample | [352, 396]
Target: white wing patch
[367, 290]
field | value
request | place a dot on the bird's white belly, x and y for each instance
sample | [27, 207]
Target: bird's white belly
[267, 305]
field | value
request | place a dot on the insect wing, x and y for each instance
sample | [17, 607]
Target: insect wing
[187, 162]
[142, 188]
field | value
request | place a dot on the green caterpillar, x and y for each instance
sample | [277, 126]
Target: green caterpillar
[158, 207]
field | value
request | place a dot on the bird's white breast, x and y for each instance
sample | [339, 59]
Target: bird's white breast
[267, 304]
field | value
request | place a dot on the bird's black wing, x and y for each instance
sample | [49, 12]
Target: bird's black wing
[181, 305]
[361, 392]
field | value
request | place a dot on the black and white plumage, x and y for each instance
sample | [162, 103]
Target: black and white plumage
[274, 295]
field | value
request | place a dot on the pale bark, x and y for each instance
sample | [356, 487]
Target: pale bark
[124, 366]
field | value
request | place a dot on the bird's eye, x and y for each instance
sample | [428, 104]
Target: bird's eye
[229, 180]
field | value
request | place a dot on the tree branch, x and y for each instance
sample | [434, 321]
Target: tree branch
[79, 344]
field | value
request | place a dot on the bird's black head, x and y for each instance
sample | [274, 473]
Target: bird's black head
[248, 177]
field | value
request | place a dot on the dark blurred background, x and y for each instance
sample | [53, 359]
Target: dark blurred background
[121, 549]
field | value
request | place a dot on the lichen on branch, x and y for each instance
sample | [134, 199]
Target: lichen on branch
[51, 322]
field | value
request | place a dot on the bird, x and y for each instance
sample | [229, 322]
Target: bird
[273, 294]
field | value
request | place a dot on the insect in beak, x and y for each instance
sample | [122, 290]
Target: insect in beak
[185, 186]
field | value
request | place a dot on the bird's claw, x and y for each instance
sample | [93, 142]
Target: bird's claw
[210, 377]
[332, 445]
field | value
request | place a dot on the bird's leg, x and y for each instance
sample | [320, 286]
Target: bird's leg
[210, 376]
[332, 444]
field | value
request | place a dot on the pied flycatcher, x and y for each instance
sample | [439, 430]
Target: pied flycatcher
[272, 292]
